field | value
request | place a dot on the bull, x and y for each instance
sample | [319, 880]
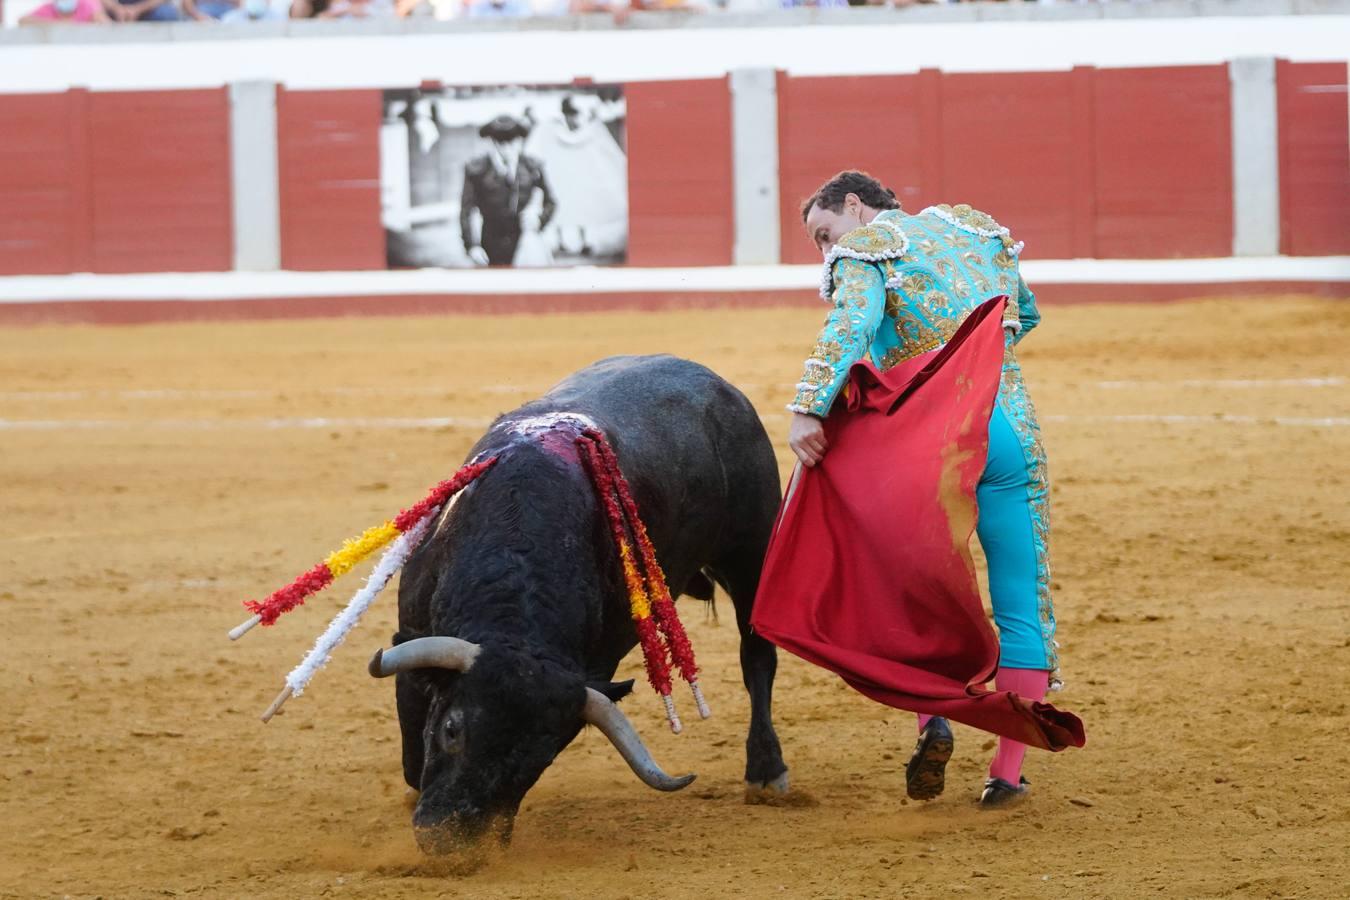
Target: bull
[513, 615]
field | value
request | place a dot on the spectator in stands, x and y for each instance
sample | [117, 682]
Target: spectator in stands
[619, 9]
[66, 11]
[670, 5]
[342, 9]
[142, 10]
[441, 10]
[499, 9]
[254, 11]
[206, 10]
[358, 9]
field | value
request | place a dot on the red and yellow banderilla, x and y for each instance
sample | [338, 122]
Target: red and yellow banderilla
[660, 632]
[353, 550]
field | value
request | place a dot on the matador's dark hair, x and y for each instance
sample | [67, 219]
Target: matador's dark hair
[831, 194]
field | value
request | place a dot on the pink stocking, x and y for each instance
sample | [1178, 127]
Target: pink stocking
[924, 719]
[1029, 684]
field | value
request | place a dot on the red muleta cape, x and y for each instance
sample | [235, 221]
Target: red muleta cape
[869, 573]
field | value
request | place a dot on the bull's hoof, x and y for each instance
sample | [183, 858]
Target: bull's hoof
[776, 792]
[777, 785]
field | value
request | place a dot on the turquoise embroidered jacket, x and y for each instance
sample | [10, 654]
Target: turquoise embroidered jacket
[902, 285]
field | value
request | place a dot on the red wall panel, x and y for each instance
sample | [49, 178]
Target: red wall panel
[1015, 144]
[1314, 159]
[1007, 148]
[1164, 164]
[680, 195]
[328, 145]
[160, 196]
[44, 226]
[827, 124]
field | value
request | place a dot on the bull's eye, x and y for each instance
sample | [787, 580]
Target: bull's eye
[451, 734]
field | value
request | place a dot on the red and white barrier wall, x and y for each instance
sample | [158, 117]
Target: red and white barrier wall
[1225, 163]
[1106, 164]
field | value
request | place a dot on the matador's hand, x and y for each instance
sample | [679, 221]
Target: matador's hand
[806, 437]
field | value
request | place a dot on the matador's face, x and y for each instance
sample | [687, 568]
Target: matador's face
[825, 227]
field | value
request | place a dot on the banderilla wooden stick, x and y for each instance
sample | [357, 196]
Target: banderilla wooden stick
[276, 704]
[704, 712]
[239, 631]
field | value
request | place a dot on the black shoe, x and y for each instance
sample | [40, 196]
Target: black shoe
[925, 774]
[998, 792]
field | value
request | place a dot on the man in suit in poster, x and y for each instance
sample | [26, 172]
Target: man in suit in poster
[509, 191]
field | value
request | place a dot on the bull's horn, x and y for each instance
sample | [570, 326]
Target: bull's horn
[425, 653]
[601, 712]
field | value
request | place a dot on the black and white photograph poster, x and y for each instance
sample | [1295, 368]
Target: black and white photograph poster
[504, 176]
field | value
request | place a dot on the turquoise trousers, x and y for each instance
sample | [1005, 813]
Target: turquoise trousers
[1013, 527]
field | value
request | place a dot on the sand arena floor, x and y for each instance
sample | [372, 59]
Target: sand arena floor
[156, 476]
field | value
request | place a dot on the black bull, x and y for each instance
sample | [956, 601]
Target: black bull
[513, 614]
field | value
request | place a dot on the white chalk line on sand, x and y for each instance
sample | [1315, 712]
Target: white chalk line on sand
[277, 393]
[1236, 383]
[1215, 419]
[413, 423]
[270, 424]
[255, 393]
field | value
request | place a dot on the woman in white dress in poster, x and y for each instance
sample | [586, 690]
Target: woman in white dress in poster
[588, 172]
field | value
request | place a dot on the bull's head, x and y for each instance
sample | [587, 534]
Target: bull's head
[493, 726]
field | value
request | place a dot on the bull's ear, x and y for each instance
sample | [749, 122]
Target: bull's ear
[614, 690]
